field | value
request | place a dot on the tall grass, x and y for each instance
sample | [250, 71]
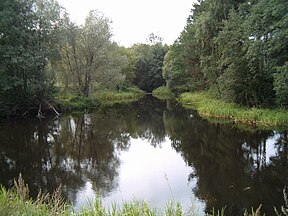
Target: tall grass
[210, 107]
[127, 95]
[284, 208]
[72, 101]
[16, 202]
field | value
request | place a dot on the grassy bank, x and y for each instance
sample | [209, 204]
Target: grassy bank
[127, 95]
[210, 107]
[16, 202]
[74, 102]
[162, 93]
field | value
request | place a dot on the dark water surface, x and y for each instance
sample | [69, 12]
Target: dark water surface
[149, 150]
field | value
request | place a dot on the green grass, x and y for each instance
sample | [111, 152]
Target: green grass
[209, 107]
[16, 202]
[127, 95]
[73, 102]
[162, 93]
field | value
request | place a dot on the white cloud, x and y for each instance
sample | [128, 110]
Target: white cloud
[134, 20]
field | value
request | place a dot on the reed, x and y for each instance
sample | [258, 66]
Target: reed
[209, 107]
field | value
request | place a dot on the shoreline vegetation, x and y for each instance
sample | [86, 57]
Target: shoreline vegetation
[70, 102]
[130, 94]
[208, 107]
[16, 201]
[162, 93]
[225, 47]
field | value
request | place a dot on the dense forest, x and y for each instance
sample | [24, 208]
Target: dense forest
[235, 49]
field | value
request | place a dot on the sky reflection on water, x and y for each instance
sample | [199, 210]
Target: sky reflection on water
[149, 150]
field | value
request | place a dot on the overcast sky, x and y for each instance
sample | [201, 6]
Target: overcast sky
[134, 20]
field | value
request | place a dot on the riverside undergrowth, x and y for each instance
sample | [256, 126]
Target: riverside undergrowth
[75, 102]
[162, 93]
[210, 107]
[127, 95]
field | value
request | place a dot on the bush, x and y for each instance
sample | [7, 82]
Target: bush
[162, 92]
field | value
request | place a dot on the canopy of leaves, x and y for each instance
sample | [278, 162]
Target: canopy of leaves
[28, 30]
[236, 49]
[149, 65]
[90, 60]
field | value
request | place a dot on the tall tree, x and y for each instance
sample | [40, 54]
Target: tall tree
[234, 83]
[237, 49]
[149, 65]
[89, 56]
[27, 30]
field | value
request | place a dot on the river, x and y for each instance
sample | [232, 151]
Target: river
[148, 150]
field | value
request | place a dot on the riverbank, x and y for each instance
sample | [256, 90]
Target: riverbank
[16, 202]
[74, 102]
[162, 93]
[209, 107]
[128, 95]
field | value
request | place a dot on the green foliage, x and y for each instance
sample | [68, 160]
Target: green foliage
[73, 102]
[16, 202]
[182, 68]
[217, 213]
[126, 95]
[130, 70]
[234, 82]
[237, 49]
[207, 106]
[149, 65]
[28, 30]
[281, 85]
[90, 61]
[162, 92]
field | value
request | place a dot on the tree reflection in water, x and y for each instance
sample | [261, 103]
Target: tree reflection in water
[232, 167]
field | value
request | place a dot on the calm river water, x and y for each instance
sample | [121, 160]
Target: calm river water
[148, 150]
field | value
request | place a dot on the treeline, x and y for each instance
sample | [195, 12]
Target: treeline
[43, 54]
[236, 49]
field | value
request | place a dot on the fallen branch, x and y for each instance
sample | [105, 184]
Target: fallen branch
[56, 112]
[39, 115]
